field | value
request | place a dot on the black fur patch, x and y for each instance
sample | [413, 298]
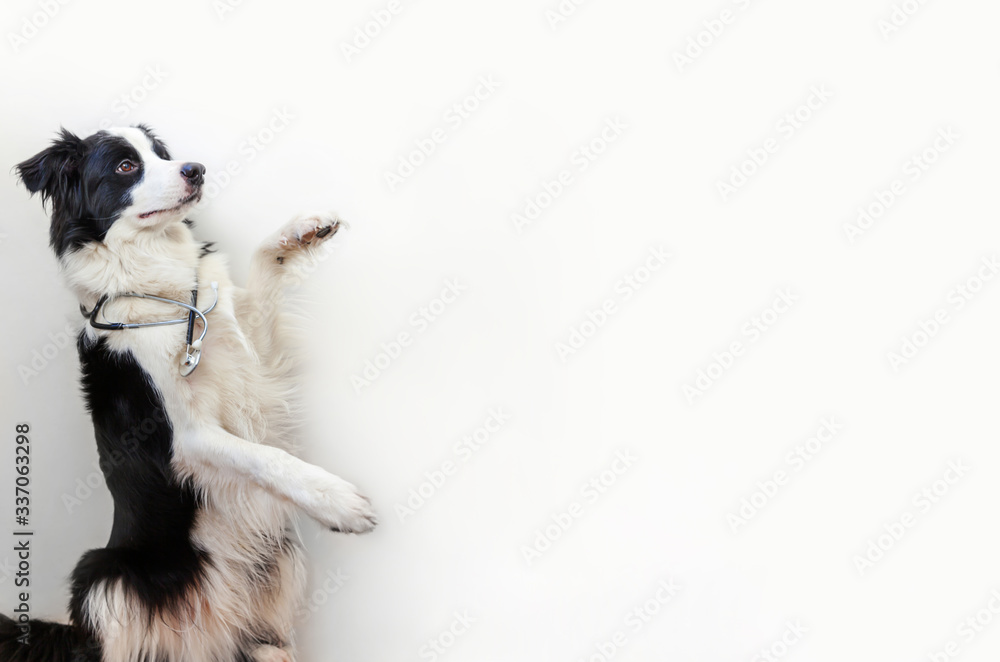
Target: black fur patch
[77, 177]
[150, 551]
[47, 642]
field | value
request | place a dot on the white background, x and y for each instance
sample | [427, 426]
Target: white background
[669, 516]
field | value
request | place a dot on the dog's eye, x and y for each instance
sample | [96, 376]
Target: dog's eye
[126, 167]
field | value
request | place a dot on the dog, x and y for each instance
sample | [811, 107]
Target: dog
[203, 563]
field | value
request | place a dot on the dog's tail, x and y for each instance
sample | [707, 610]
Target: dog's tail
[42, 641]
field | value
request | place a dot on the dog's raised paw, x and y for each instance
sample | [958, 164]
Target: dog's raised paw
[308, 229]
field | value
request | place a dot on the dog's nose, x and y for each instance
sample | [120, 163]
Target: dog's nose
[194, 173]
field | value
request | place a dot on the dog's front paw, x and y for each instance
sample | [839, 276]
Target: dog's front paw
[360, 517]
[337, 505]
[303, 232]
[308, 229]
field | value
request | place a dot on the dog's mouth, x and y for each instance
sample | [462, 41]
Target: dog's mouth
[194, 197]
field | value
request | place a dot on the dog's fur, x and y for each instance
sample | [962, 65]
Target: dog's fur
[203, 564]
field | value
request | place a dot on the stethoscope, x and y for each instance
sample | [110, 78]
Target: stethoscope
[192, 352]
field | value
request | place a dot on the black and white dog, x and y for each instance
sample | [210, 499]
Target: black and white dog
[202, 564]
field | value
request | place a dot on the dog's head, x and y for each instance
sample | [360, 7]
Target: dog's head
[120, 180]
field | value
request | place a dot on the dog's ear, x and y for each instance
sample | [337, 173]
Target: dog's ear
[54, 171]
[159, 147]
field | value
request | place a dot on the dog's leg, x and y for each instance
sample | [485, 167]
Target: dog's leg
[276, 264]
[281, 262]
[328, 499]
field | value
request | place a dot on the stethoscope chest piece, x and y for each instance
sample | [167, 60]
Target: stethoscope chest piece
[191, 357]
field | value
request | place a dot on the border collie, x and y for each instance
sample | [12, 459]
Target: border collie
[203, 563]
